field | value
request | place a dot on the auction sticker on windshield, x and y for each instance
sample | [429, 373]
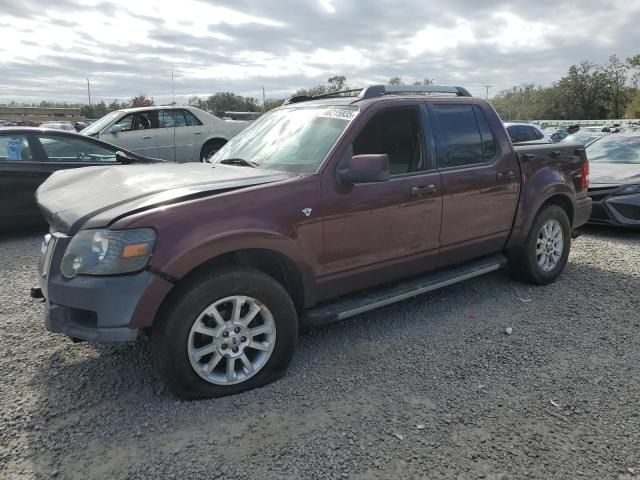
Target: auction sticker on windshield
[342, 113]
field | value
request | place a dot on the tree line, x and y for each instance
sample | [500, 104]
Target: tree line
[588, 91]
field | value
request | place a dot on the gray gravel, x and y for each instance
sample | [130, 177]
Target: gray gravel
[430, 388]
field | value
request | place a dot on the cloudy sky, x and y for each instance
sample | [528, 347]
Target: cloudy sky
[49, 48]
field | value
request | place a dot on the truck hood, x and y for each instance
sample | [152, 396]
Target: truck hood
[96, 196]
[614, 173]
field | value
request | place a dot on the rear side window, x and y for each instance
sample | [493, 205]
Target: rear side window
[14, 148]
[536, 134]
[192, 120]
[460, 142]
[488, 140]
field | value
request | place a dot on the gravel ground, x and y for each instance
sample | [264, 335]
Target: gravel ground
[430, 388]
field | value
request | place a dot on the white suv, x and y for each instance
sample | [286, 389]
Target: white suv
[182, 134]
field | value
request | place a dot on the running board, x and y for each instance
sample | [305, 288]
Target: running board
[360, 302]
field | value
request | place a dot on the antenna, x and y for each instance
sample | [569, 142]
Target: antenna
[486, 97]
[173, 90]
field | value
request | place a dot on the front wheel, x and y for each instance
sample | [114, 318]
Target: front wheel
[545, 252]
[210, 149]
[224, 332]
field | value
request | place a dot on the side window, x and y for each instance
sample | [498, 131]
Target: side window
[192, 120]
[68, 149]
[488, 140]
[14, 148]
[144, 121]
[395, 132]
[460, 142]
[126, 122]
[537, 134]
[171, 118]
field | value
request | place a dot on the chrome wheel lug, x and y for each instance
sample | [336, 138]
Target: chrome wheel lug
[243, 339]
[224, 346]
[236, 330]
[225, 334]
[235, 350]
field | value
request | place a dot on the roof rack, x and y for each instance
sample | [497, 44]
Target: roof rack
[305, 98]
[379, 90]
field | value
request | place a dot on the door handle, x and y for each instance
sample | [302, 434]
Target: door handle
[556, 153]
[146, 138]
[197, 133]
[506, 176]
[421, 190]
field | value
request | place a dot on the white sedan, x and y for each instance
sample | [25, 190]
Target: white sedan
[181, 134]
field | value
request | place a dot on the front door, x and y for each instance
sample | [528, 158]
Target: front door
[21, 173]
[480, 183]
[139, 133]
[377, 232]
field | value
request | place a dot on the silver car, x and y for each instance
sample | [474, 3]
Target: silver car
[181, 134]
[526, 133]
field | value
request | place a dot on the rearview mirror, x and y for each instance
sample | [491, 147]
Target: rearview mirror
[116, 129]
[366, 169]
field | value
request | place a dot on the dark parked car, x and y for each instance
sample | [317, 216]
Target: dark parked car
[322, 209]
[29, 155]
[615, 180]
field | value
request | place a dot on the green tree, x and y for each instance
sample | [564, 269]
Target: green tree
[337, 83]
[633, 108]
[616, 70]
[141, 101]
[395, 81]
[271, 103]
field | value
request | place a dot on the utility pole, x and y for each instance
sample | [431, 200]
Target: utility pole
[264, 108]
[486, 97]
[89, 91]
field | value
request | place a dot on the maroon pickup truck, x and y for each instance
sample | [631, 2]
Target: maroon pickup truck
[323, 209]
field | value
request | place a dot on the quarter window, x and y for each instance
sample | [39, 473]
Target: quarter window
[14, 148]
[488, 140]
[460, 141]
[192, 120]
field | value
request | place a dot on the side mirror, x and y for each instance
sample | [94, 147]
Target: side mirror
[122, 157]
[116, 129]
[366, 169]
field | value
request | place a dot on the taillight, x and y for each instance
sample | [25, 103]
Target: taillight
[584, 174]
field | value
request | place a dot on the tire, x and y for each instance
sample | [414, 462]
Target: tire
[210, 148]
[176, 340]
[525, 263]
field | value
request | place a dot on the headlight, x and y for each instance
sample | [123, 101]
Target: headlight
[108, 252]
[629, 189]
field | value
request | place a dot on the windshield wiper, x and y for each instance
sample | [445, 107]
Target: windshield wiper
[239, 161]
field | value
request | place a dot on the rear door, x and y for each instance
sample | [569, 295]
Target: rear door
[21, 173]
[480, 183]
[181, 135]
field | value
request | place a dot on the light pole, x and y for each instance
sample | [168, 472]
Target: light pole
[89, 91]
[486, 97]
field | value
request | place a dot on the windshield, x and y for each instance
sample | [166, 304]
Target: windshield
[615, 149]
[292, 139]
[584, 139]
[100, 124]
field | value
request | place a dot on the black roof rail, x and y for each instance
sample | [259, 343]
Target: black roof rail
[305, 98]
[379, 90]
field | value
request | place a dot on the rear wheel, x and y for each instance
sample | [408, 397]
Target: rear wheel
[210, 149]
[545, 253]
[224, 332]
